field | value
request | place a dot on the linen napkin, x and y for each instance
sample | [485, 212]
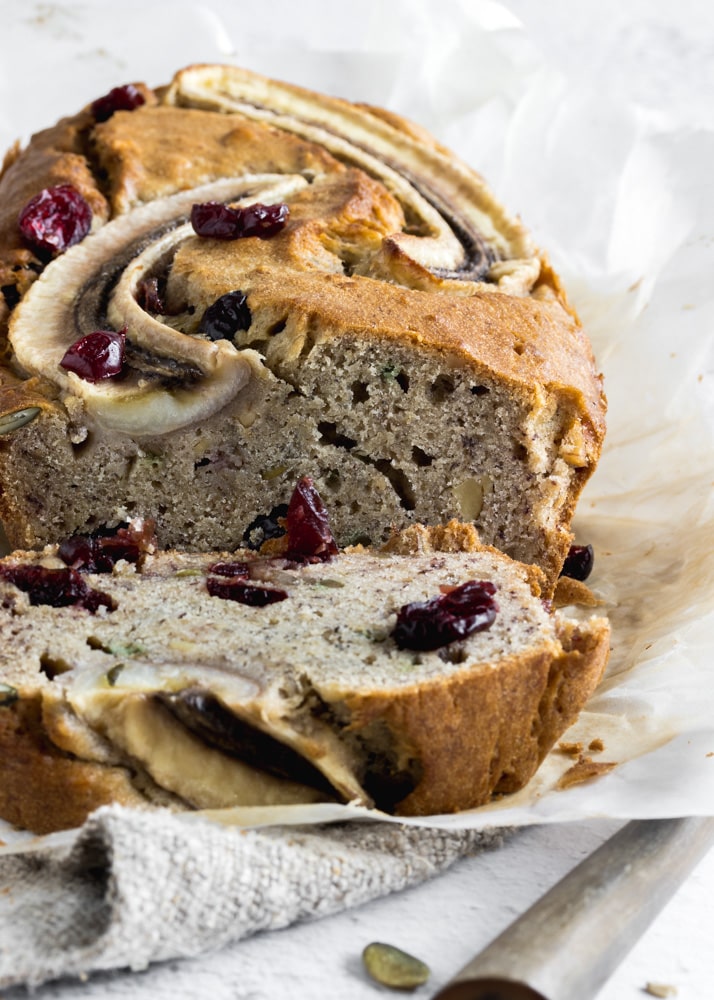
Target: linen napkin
[135, 887]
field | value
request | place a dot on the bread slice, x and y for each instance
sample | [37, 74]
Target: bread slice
[154, 688]
[402, 340]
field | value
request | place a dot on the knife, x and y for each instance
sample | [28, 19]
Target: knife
[569, 943]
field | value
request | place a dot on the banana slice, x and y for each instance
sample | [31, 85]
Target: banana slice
[129, 710]
[95, 282]
[466, 241]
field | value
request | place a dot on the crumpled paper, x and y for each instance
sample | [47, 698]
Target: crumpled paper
[622, 200]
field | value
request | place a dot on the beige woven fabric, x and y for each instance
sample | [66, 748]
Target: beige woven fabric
[140, 887]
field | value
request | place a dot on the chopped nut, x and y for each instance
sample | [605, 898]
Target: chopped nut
[573, 448]
[596, 745]
[469, 496]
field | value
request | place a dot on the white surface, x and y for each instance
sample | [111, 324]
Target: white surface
[657, 54]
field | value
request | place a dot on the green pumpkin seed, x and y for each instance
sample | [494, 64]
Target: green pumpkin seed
[389, 373]
[277, 470]
[8, 695]
[393, 967]
[13, 421]
[128, 649]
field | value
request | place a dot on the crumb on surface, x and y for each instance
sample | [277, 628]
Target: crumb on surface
[584, 770]
[660, 990]
[570, 591]
[596, 745]
[572, 749]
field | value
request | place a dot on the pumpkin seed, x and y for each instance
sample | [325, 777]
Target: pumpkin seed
[389, 373]
[393, 967]
[128, 649]
[13, 421]
[8, 695]
[189, 571]
[277, 470]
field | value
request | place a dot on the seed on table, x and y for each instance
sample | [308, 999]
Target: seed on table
[393, 967]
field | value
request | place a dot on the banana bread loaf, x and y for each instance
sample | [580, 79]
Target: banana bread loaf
[348, 301]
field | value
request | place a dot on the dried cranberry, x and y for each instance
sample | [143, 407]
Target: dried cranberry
[149, 297]
[58, 588]
[215, 220]
[124, 98]
[427, 625]
[226, 316]
[263, 220]
[55, 219]
[78, 552]
[578, 562]
[100, 551]
[238, 569]
[96, 356]
[309, 535]
[220, 222]
[461, 600]
[236, 589]
[97, 555]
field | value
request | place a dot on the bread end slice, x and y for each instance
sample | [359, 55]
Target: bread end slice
[179, 697]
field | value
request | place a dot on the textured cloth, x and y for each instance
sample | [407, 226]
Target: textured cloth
[139, 887]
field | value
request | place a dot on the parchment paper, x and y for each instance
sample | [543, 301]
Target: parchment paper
[622, 200]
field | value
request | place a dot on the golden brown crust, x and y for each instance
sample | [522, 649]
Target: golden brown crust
[44, 789]
[484, 733]
[17, 393]
[146, 155]
[569, 591]
[537, 342]
[452, 537]
[515, 713]
[56, 155]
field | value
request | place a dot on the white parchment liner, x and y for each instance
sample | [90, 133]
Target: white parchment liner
[623, 202]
